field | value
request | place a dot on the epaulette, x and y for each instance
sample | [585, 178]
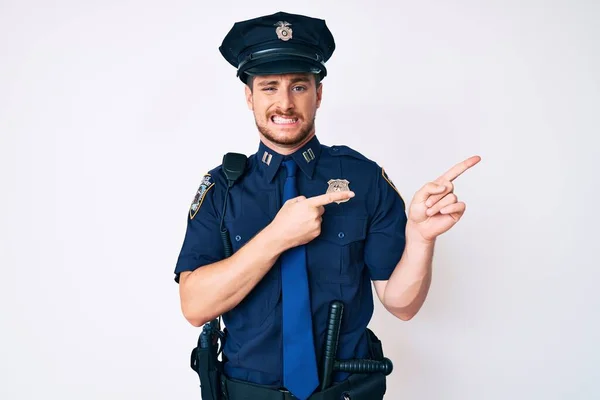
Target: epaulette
[347, 151]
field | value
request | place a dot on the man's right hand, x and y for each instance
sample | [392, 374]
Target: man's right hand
[217, 288]
[299, 220]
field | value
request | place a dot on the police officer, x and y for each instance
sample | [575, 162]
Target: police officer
[309, 224]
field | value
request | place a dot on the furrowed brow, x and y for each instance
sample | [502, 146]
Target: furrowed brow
[268, 83]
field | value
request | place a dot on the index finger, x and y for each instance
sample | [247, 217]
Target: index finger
[329, 198]
[459, 168]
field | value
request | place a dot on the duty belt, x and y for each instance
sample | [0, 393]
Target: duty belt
[356, 387]
[367, 379]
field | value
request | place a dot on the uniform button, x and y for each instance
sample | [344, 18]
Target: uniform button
[238, 238]
[341, 235]
[334, 149]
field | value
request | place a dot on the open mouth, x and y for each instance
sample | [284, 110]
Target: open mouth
[279, 120]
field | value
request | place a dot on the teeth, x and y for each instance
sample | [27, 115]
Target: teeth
[280, 120]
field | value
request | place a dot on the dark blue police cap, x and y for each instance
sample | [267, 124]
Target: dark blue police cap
[277, 44]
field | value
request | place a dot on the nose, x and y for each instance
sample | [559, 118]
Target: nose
[286, 100]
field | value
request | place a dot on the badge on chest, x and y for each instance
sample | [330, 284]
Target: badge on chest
[338, 185]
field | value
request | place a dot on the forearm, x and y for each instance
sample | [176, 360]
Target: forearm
[216, 288]
[407, 288]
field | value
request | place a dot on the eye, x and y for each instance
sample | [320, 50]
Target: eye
[268, 89]
[299, 88]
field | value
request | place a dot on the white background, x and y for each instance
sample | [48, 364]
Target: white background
[111, 112]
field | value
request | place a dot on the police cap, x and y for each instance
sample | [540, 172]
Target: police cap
[277, 44]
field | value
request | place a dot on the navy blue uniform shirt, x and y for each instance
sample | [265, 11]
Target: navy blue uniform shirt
[361, 240]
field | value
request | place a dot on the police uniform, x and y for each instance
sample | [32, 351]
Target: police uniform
[361, 239]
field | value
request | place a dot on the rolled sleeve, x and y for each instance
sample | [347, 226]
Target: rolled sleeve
[202, 243]
[385, 240]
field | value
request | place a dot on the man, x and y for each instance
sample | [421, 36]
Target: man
[309, 224]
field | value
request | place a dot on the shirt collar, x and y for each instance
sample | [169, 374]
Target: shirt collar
[306, 157]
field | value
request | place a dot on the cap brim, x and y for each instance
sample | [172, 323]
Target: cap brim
[284, 67]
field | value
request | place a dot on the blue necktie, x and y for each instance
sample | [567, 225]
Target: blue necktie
[300, 374]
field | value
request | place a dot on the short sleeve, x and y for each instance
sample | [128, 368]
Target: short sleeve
[202, 243]
[386, 239]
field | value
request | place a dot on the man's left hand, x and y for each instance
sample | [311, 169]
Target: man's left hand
[435, 208]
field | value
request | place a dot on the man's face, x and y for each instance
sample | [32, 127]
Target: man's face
[284, 107]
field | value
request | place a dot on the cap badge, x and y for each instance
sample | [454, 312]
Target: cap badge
[284, 32]
[338, 185]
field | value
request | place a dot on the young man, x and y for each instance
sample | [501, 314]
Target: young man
[309, 224]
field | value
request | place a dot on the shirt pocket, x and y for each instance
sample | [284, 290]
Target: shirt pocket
[257, 309]
[337, 254]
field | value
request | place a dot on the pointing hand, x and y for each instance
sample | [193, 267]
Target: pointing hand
[435, 208]
[299, 220]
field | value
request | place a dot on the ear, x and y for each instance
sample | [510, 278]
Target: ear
[249, 101]
[319, 94]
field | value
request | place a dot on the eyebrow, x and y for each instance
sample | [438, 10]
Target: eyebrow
[275, 83]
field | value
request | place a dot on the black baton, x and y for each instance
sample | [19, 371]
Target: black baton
[331, 342]
[364, 366]
[357, 366]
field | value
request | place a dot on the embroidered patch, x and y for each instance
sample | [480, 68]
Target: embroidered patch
[385, 176]
[205, 186]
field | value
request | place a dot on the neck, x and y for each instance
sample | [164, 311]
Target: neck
[283, 149]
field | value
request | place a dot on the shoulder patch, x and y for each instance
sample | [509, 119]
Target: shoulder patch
[388, 180]
[205, 186]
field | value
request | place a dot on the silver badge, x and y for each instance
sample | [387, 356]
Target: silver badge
[338, 185]
[284, 32]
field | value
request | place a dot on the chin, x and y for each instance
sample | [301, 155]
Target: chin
[287, 135]
[287, 139]
[283, 136]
